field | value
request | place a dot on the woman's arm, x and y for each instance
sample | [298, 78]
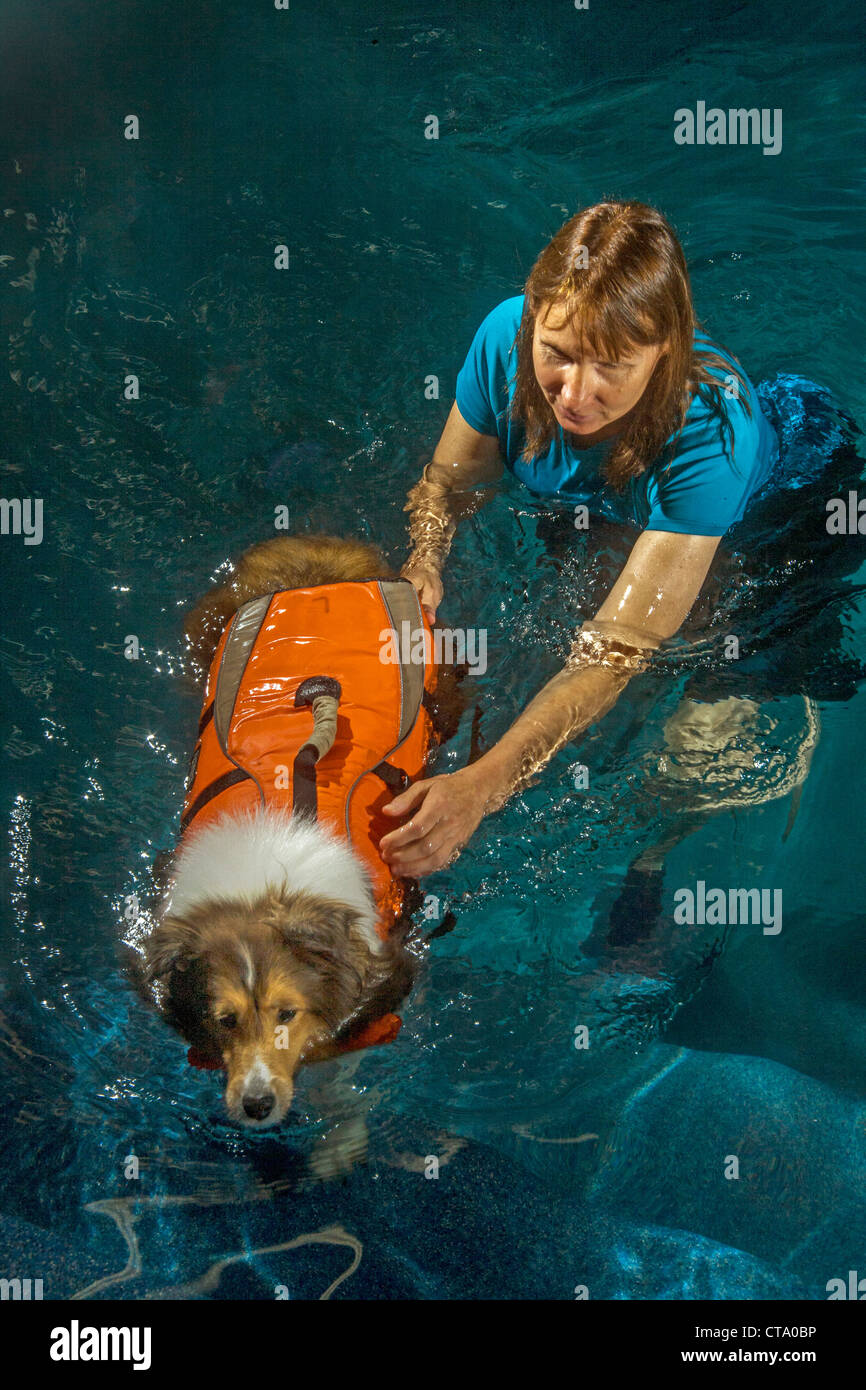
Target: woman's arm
[648, 603]
[463, 460]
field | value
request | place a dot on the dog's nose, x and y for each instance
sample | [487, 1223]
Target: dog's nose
[259, 1107]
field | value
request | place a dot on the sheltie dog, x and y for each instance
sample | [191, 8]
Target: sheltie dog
[266, 955]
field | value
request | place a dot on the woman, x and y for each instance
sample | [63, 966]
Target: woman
[598, 385]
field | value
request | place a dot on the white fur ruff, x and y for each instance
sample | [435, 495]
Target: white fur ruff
[240, 857]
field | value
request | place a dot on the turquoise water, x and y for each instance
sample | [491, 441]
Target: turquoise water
[305, 388]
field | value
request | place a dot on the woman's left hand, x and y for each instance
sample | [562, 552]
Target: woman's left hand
[446, 811]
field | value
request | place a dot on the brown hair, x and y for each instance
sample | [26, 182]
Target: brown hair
[633, 292]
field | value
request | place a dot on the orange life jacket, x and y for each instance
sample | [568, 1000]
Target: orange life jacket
[254, 726]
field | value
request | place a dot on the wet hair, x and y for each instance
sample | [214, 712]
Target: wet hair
[632, 291]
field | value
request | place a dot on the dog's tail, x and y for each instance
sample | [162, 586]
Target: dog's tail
[284, 562]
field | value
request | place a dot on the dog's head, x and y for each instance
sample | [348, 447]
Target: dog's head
[262, 988]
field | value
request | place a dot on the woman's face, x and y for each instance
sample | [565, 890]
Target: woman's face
[587, 393]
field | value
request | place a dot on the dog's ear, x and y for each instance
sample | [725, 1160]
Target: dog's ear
[173, 946]
[334, 961]
[325, 937]
[317, 937]
[318, 954]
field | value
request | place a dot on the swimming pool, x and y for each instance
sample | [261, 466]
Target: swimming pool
[306, 389]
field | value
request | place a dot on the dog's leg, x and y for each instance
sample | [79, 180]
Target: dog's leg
[446, 703]
[344, 1144]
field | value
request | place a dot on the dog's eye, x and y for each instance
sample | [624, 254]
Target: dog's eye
[228, 1021]
[286, 1015]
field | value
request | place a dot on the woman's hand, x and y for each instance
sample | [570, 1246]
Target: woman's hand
[427, 579]
[445, 811]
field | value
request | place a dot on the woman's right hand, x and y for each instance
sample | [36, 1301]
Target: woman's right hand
[428, 583]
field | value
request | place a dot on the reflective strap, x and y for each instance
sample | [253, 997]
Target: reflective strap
[244, 630]
[403, 606]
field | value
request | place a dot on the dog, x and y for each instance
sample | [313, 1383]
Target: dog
[282, 938]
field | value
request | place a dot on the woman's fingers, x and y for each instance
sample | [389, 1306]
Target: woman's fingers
[425, 827]
[409, 798]
[425, 856]
[428, 585]
[445, 812]
[396, 841]
[423, 818]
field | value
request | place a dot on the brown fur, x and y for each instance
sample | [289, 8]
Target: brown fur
[286, 562]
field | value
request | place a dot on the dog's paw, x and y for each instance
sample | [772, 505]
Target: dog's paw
[340, 1150]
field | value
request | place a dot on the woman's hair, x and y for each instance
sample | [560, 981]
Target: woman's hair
[617, 274]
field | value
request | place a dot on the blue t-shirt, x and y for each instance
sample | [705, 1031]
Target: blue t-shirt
[700, 490]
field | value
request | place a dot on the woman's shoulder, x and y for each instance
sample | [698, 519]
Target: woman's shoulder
[721, 364]
[503, 321]
[724, 430]
[718, 360]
